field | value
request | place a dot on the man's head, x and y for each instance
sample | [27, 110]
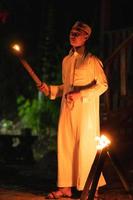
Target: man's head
[81, 26]
[79, 34]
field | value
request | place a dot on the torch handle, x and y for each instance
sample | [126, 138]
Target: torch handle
[31, 72]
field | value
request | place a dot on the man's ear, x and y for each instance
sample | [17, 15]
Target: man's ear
[87, 37]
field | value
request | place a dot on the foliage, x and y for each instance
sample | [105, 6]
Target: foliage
[38, 114]
[6, 125]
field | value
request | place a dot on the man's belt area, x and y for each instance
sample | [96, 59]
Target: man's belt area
[83, 87]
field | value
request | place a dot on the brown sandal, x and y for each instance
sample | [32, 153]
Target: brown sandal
[57, 194]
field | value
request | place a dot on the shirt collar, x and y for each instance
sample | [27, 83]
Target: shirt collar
[73, 52]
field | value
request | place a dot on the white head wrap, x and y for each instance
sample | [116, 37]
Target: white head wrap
[83, 27]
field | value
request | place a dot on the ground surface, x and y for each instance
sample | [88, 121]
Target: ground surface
[20, 182]
[33, 181]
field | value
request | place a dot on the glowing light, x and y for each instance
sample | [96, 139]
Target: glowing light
[16, 47]
[102, 141]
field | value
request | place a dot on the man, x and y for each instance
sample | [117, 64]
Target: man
[83, 82]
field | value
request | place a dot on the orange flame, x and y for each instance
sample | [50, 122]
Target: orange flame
[102, 141]
[16, 47]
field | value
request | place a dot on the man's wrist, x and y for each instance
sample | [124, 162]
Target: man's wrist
[48, 92]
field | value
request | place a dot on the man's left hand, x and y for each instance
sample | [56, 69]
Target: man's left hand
[73, 96]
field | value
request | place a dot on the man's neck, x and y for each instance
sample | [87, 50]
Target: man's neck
[80, 50]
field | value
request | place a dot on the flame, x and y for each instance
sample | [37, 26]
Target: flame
[102, 141]
[16, 47]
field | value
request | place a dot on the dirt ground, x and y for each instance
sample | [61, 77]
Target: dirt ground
[19, 181]
[13, 194]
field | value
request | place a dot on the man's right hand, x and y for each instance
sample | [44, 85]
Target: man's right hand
[44, 88]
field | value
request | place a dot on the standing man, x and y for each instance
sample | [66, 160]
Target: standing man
[83, 81]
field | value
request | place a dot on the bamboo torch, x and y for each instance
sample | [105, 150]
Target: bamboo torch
[96, 169]
[18, 52]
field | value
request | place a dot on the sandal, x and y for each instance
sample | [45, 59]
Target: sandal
[58, 194]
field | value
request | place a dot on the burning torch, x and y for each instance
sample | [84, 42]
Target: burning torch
[18, 52]
[103, 151]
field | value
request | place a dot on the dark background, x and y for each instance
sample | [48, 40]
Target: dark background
[40, 24]
[26, 18]
[27, 21]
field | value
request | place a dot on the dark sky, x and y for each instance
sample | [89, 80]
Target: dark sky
[24, 23]
[25, 11]
[25, 16]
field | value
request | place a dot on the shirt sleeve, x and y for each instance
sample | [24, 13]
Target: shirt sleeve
[56, 91]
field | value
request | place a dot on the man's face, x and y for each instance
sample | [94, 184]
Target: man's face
[77, 37]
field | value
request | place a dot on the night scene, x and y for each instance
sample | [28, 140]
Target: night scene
[66, 103]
